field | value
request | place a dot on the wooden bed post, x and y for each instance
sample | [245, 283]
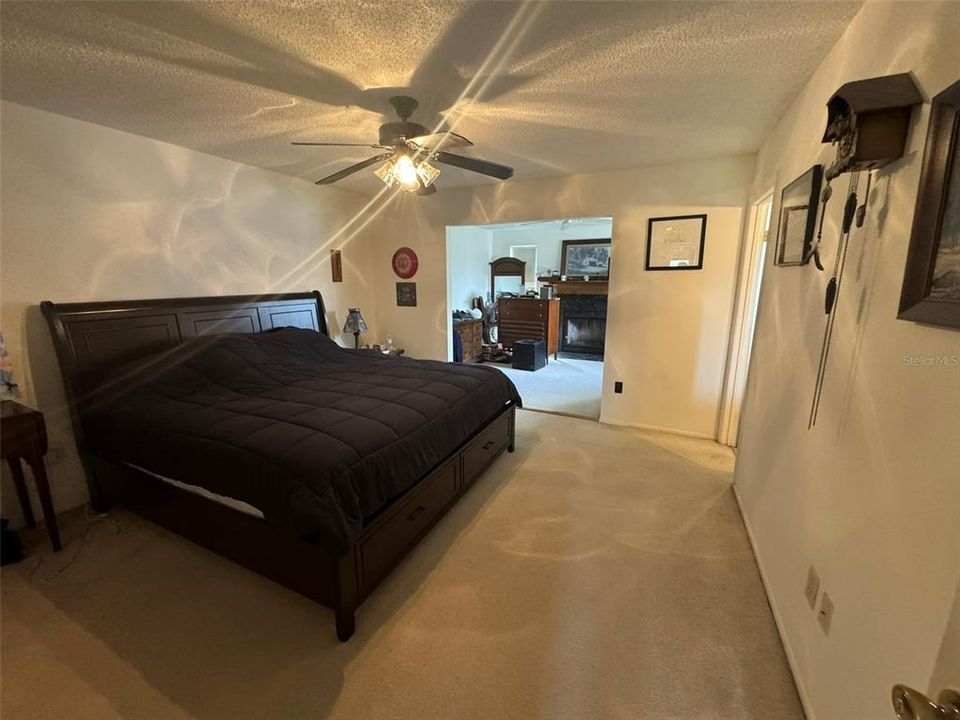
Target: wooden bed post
[346, 596]
[513, 430]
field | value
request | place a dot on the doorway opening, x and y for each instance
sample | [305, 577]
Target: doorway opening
[749, 280]
[530, 299]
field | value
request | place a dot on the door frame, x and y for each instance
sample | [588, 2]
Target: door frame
[743, 322]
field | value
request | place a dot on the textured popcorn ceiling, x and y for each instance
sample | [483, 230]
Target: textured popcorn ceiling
[551, 89]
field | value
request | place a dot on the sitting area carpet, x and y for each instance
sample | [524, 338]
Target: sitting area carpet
[598, 572]
[565, 385]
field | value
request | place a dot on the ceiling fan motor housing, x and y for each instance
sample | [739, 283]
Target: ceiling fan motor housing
[393, 133]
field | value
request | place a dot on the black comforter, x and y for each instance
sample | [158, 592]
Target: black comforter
[317, 437]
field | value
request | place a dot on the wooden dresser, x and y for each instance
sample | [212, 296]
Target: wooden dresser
[471, 335]
[530, 319]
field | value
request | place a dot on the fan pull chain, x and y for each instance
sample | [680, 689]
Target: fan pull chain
[833, 289]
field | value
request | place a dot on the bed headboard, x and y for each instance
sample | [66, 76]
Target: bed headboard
[93, 339]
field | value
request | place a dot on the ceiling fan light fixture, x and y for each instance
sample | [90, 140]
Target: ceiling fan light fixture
[401, 171]
[405, 170]
[409, 148]
[427, 173]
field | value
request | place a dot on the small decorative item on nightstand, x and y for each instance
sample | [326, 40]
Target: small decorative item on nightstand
[8, 388]
[355, 324]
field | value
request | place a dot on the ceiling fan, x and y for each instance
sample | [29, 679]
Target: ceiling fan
[410, 149]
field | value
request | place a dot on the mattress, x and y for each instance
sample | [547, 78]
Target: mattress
[318, 438]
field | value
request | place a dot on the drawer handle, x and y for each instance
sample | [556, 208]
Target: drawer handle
[416, 513]
[489, 444]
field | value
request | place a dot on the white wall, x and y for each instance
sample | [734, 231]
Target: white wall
[548, 238]
[871, 496]
[468, 265]
[666, 331]
[471, 248]
[90, 213]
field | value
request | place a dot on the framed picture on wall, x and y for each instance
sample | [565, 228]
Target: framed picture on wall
[406, 294]
[336, 266]
[798, 218]
[931, 281]
[586, 258]
[676, 243]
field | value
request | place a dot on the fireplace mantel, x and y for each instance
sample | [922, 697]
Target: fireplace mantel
[576, 287]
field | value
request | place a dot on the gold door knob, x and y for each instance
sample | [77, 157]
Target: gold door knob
[911, 704]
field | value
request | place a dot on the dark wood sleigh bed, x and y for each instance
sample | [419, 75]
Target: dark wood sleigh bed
[93, 340]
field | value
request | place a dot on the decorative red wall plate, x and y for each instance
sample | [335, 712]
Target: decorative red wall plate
[405, 263]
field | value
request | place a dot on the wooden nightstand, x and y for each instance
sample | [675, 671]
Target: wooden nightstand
[23, 436]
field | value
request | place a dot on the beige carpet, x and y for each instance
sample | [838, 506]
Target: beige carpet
[597, 572]
[565, 385]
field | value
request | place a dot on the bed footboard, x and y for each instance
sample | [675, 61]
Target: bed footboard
[340, 583]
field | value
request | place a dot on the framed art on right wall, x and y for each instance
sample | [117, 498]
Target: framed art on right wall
[931, 280]
[798, 218]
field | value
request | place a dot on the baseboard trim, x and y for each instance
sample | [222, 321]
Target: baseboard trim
[788, 651]
[656, 428]
[560, 413]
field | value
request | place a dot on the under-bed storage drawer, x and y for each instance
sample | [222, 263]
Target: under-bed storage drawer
[403, 526]
[484, 449]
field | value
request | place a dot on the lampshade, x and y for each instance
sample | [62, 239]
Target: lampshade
[407, 173]
[355, 322]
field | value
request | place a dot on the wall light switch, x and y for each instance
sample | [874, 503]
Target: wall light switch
[813, 587]
[618, 387]
[825, 616]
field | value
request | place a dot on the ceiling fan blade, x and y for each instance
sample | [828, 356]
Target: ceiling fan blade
[326, 144]
[441, 139]
[352, 169]
[478, 166]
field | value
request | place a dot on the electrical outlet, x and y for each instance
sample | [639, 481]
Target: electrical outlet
[618, 387]
[55, 454]
[825, 616]
[813, 587]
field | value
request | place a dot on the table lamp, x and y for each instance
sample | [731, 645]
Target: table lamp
[355, 324]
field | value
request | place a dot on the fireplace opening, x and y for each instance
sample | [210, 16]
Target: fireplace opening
[584, 335]
[583, 324]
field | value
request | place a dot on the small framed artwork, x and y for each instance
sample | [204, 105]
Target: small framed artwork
[676, 243]
[798, 218]
[931, 281]
[586, 258]
[406, 294]
[336, 266]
